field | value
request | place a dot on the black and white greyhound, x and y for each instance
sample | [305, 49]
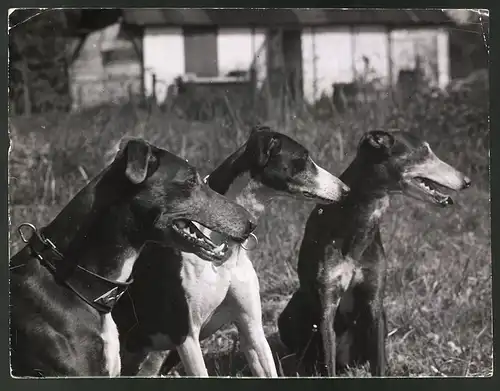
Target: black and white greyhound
[189, 297]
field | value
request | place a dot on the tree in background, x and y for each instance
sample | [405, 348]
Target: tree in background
[469, 41]
[42, 45]
[38, 67]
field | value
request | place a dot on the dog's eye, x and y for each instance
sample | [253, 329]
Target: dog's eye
[188, 179]
[298, 165]
[194, 180]
[426, 148]
[153, 164]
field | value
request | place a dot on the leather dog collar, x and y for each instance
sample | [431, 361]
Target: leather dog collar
[99, 292]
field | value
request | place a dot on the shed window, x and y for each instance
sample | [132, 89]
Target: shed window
[200, 47]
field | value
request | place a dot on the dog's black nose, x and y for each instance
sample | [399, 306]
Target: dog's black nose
[344, 192]
[467, 182]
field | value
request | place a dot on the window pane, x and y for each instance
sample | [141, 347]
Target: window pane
[200, 45]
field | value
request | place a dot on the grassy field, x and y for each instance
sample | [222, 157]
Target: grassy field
[439, 280]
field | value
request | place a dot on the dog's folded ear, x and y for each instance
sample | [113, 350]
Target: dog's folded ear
[259, 128]
[377, 141]
[138, 154]
[269, 146]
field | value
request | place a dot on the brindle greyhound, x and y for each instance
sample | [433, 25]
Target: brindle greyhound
[342, 263]
[65, 282]
[194, 298]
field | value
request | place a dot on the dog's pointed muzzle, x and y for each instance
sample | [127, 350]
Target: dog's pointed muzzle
[223, 216]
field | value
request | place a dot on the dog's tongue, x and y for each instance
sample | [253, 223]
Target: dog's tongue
[209, 241]
[446, 200]
[221, 248]
[218, 245]
[442, 199]
[213, 238]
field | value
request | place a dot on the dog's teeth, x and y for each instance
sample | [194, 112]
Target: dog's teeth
[188, 233]
[220, 248]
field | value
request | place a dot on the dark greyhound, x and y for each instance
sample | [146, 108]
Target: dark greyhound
[67, 279]
[194, 298]
[342, 263]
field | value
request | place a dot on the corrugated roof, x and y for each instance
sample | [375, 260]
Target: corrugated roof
[281, 17]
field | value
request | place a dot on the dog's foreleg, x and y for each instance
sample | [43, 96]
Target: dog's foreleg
[192, 356]
[377, 356]
[151, 365]
[328, 308]
[377, 339]
[244, 299]
[381, 340]
[132, 362]
[256, 348]
[334, 281]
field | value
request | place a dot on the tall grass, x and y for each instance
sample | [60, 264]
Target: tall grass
[439, 279]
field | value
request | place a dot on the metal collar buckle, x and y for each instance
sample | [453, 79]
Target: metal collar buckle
[34, 231]
[256, 241]
[94, 284]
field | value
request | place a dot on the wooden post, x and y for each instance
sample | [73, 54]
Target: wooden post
[314, 64]
[80, 96]
[391, 64]
[269, 72]
[26, 87]
[136, 37]
[353, 52]
[129, 91]
[143, 69]
[154, 88]
[253, 70]
[253, 41]
[282, 82]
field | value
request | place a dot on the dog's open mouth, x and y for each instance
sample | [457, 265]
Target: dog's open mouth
[201, 243]
[431, 188]
[316, 197]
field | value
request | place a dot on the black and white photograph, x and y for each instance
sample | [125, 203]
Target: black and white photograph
[249, 192]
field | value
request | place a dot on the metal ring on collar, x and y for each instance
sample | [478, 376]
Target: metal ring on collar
[20, 231]
[256, 243]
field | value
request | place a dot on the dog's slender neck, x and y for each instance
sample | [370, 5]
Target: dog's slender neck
[363, 208]
[82, 231]
[365, 181]
[107, 250]
[234, 180]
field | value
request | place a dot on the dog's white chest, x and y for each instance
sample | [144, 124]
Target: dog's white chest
[205, 285]
[109, 335]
